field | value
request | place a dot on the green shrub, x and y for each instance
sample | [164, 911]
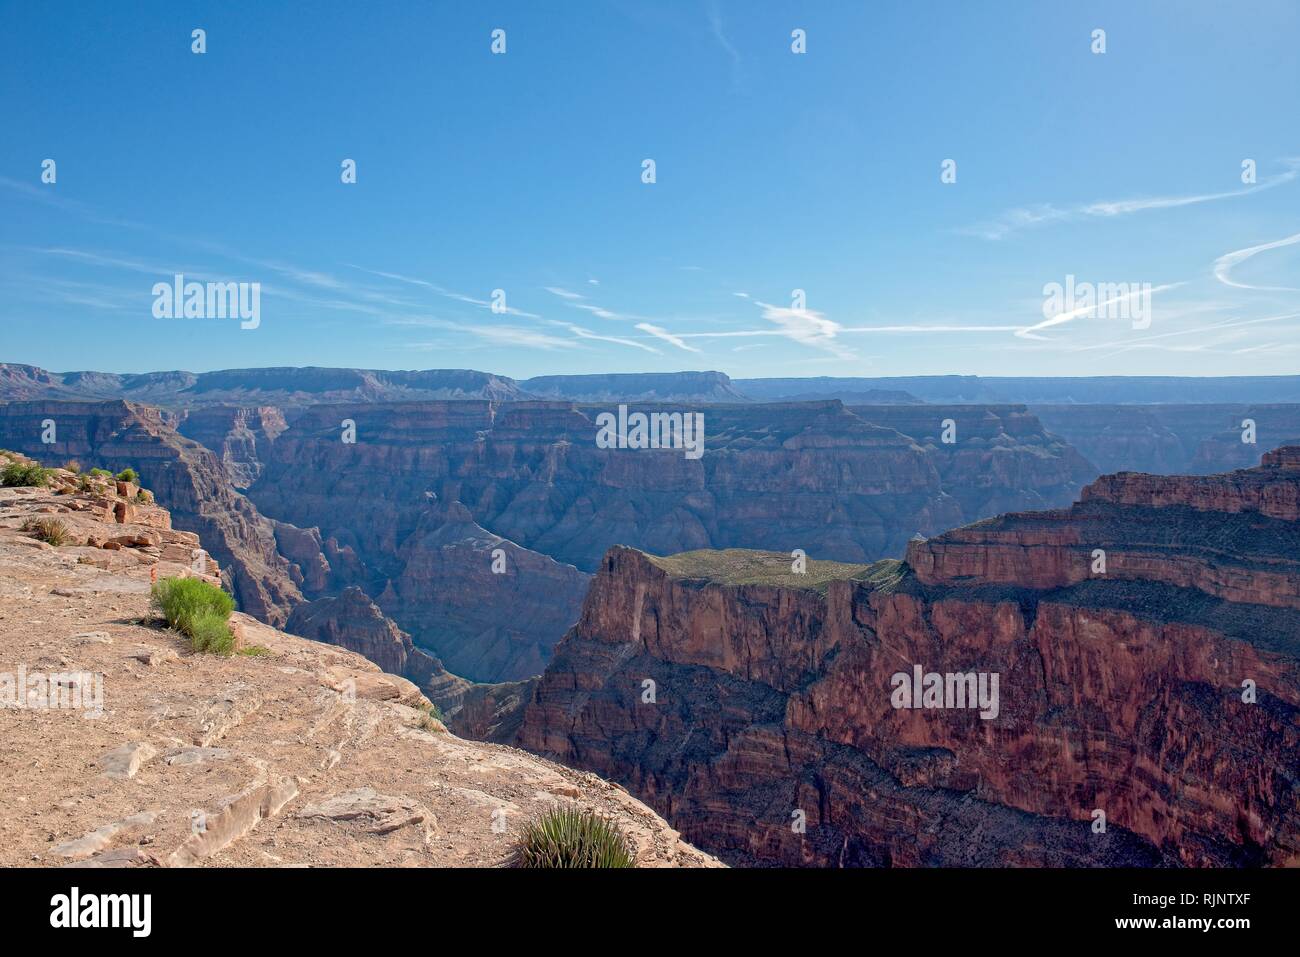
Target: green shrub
[209, 633]
[199, 610]
[571, 837]
[83, 483]
[16, 473]
[49, 530]
[101, 473]
[128, 475]
[255, 651]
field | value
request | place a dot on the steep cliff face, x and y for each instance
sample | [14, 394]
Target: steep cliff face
[1000, 457]
[1172, 439]
[840, 483]
[187, 478]
[1160, 695]
[492, 609]
[234, 433]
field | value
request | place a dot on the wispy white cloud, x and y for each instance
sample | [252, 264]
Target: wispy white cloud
[446, 293]
[495, 334]
[666, 336]
[582, 333]
[1224, 265]
[1194, 331]
[1024, 217]
[719, 34]
[1069, 315]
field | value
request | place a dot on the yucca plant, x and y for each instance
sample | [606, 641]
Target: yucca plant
[49, 530]
[571, 837]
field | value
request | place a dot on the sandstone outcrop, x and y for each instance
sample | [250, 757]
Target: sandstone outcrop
[758, 710]
[306, 754]
[186, 477]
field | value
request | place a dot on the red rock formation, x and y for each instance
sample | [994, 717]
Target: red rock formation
[234, 433]
[490, 609]
[187, 479]
[1127, 692]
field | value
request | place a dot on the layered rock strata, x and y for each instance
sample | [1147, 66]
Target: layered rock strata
[1145, 642]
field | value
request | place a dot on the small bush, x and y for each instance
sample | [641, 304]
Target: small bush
[210, 634]
[198, 610]
[16, 474]
[571, 837]
[73, 466]
[128, 475]
[83, 483]
[101, 473]
[49, 530]
[255, 651]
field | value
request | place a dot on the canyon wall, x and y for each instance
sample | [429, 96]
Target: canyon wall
[475, 525]
[186, 477]
[1172, 439]
[1155, 691]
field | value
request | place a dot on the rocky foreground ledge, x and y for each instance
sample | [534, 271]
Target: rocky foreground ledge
[301, 755]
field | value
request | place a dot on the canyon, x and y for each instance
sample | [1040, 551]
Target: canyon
[475, 524]
[465, 532]
[1156, 690]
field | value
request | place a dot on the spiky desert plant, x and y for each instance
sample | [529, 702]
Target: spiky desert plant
[431, 718]
[571, 837]
[198, 610]
[49, 530]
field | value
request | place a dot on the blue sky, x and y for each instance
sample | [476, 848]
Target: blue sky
[775, 171]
